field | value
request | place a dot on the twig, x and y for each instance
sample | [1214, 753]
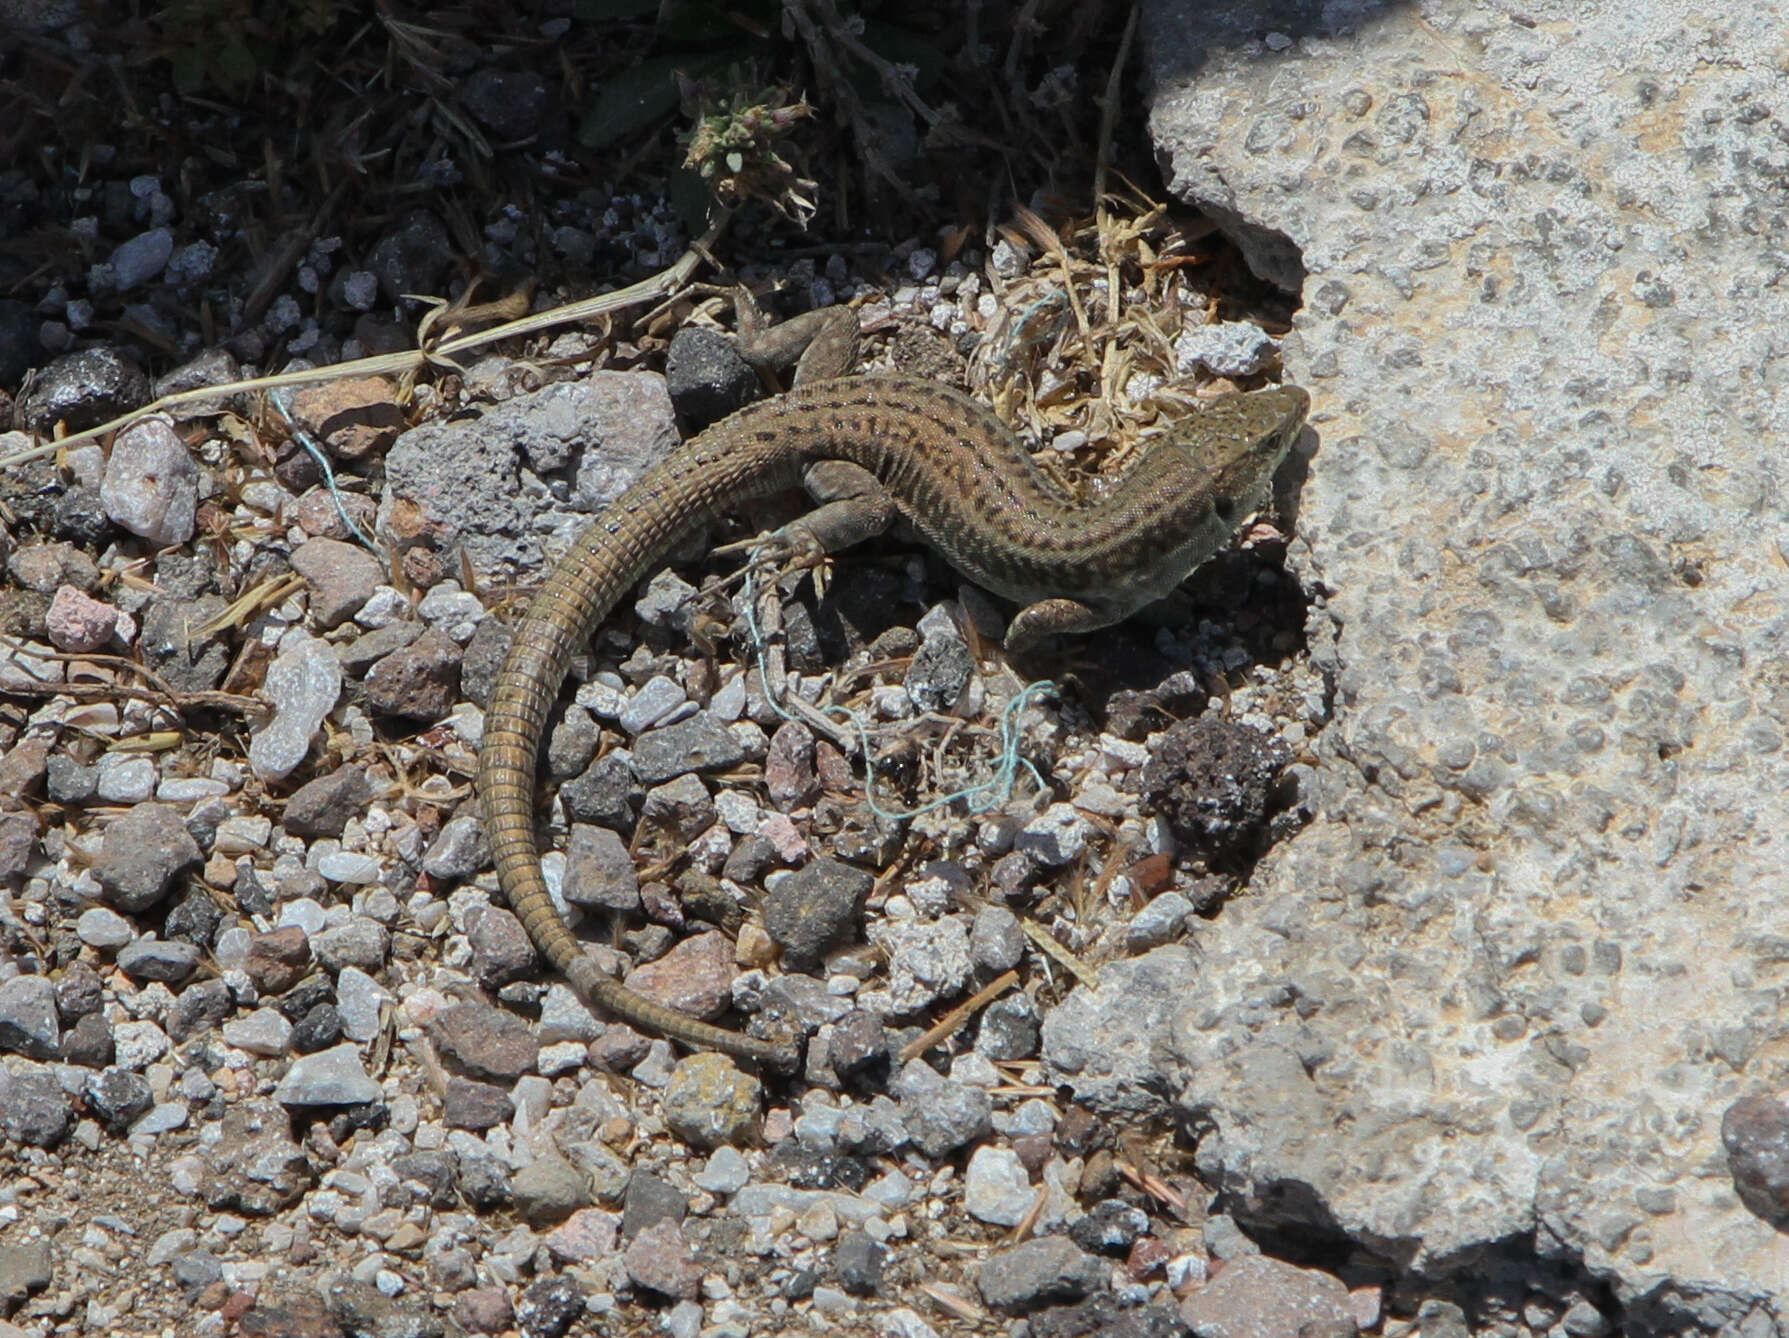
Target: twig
[162, 694]
[179, 702]
[953, 1020]
[410, 359]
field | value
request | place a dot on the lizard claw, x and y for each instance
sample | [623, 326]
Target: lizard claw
[792, 548]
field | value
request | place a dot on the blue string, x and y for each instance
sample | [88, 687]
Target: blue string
[980, 797]
[305, 440]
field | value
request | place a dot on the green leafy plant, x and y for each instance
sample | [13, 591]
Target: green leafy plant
[731, 145]
[225, 44]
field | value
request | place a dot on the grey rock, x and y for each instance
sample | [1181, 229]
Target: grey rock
[550, 1306]
[1111, 1226]
[1558, 713]
[857, 1041]
[19, 346]
[507, 102]
[143, 853]
[681, 806]
[463, 477]
[1055, 837]
[158, 959]
[18, 844]
[815, 909]
[361, 1001]
[649, 1200]
[996, 1187]
[725, 1172]
[1261, 1297]
[939, 1113]
[857, 1262]
[1108, 1043]
[202, 1005]
[483, 1179]
[361, 942]
[625, 424]
[459, 851]
[334, 1077]
[89, 1042]
[927, 963]
[34, 1110]
[212, 367]
[124, 779]
[178, 648]
[789, 775]
[48, 567]
[118, 1097]
[706, 376]
[26, 1268]
[483, 659]
[29, 1024]
[697, 744]
[1008, 1030]
[657, 700]
[251, 1164]
[750, 860]
[599, 871]
[341, 577]
[996, 941]
[939, 672]
[572, 743]
[549, 1190]
[79, 990]
[1046, 1271]
[151, 485]
[411, 256]
[1226, 348]
[303, 683]
[320, 1028]
[323, 806]
[83, 390]
[606, 794]
[142, 258]
[665, 601]
[1755, 1132]
[264, 1032]
[501, 949]
[1158, 922]
[360, 654]
[196, 1270]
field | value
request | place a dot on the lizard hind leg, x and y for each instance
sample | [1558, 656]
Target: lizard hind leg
[1051, 617]
[853, 506]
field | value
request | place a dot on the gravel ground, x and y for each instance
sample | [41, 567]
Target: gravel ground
[277, 1059]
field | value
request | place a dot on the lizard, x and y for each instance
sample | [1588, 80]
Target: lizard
[868, 450]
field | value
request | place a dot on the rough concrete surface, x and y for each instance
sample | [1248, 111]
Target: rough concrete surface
[1499, 995]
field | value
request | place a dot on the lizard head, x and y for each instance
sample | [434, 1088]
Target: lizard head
[1241, 440]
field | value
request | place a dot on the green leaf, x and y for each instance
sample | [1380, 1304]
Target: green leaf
[631, 101]
[599, 11]
[903, 47]
[235, 64]
[189, 69]
[695, 204]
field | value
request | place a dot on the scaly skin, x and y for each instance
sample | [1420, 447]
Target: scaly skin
[965, 483]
